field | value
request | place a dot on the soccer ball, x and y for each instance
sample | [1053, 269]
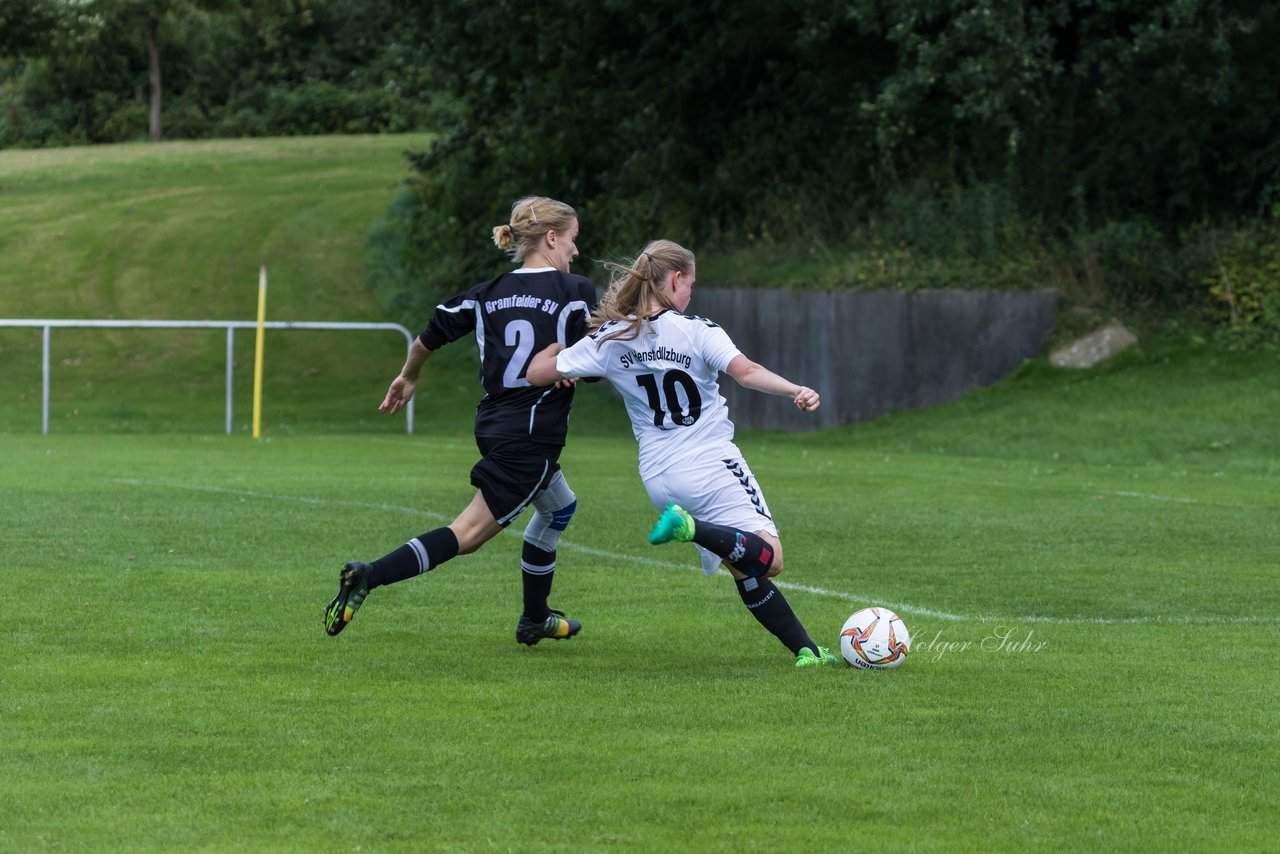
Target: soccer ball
[874, 639]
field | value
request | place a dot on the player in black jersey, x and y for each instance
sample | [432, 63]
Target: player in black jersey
[520, 429]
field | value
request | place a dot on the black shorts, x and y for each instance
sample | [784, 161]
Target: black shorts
[511, 473]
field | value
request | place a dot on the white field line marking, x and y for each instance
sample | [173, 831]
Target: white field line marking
[1176, 498]
[271, 496]
[1085, 490]
[852, 598]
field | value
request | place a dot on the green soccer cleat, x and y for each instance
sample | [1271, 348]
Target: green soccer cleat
[674, 524]
[556, 626]
[353, 586]
[806, 658]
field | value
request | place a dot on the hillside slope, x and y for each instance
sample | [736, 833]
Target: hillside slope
[178, 231]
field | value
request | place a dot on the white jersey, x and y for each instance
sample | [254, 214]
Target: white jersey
[668, 378]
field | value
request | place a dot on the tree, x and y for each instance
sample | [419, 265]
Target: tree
[153, 71]
[149, 16]
[27, 27]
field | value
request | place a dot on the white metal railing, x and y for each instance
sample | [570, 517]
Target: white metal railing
[230, 325]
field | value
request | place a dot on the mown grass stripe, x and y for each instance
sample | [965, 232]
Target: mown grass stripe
[852, 597]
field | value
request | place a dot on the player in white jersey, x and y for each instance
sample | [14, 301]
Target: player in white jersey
[520, 430]
[666, 366]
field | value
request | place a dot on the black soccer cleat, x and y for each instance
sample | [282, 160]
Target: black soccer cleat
[353, 586]
[556, 626]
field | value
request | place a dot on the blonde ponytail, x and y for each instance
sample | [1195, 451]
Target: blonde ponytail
[503, 237]
[531, 218]
[634, 287]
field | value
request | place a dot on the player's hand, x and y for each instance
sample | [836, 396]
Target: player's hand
[566, 383]
[400, 393]
[807, 399]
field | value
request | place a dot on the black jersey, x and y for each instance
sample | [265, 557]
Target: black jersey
[513, 317]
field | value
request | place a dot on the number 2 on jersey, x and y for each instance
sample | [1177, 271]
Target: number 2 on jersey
[671, 379]
[518, 334]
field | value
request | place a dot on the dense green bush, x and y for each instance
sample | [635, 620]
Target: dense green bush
[323, 66]
[1243, 282]
[392, 261]
[919, 143]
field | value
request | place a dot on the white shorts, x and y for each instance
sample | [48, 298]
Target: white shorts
[720, 489]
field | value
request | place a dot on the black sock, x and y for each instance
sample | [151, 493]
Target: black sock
[537, 571]
[744, 551]
[419, 555]
[767, 604]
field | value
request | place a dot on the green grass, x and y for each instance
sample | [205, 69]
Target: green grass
[167, 684]
[178, 231]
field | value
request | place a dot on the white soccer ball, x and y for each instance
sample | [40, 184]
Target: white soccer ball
[874, 639]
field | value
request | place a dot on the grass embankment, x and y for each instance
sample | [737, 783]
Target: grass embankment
[178, 231]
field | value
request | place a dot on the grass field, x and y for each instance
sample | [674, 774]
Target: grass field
[1094, 662]
[1087, 562]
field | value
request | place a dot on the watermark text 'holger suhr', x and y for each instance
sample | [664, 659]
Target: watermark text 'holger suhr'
[1005, 639]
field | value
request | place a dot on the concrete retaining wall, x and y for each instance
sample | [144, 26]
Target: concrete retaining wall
[871, 352]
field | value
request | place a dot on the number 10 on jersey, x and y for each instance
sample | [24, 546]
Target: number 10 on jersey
[671, 381]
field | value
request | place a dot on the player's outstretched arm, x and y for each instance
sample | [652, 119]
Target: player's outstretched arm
[757, 377]
[542, 369]
[402, 387]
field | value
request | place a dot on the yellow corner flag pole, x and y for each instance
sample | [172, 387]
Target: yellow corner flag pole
[257, 352]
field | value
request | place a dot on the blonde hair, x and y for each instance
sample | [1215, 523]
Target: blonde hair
[531, 218]
[638, 285]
